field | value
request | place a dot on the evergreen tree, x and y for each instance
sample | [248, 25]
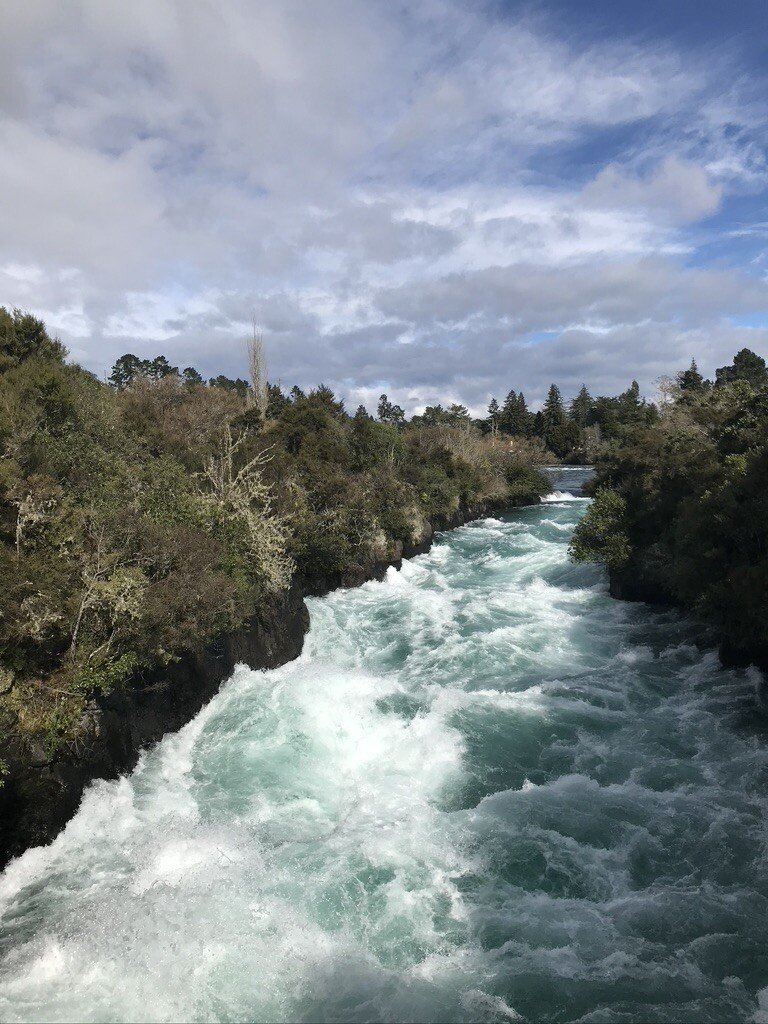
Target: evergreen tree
[277, 402]
[327, 397]
[747, 366]
[125, 371]
[523, 417]
[581, 407]
[389, 413]
[553, 413]
[297, 394]
[494, 413]
[690, 380]
[23, 336]
[514, 418]
[191, 376]
[458, 415]
[239, 385]
[158, 368]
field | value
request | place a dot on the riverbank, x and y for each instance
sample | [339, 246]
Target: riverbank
[43, 788]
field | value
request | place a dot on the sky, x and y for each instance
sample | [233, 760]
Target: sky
[435, 199]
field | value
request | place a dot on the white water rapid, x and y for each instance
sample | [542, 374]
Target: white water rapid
[485, 792]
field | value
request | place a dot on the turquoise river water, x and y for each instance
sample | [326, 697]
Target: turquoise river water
[485, 792]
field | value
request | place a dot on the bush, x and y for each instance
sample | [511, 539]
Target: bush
[600, 534]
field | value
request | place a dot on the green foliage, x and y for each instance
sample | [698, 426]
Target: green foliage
[581, 408]
[691, 380]
[514, 418]
[525, 483]
[389, 413]
[694, 483]
[747, 366]
[23, 337]
[600, 535]
[128, 369]
[239, 386]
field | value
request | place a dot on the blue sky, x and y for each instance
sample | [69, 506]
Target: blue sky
[439, 199]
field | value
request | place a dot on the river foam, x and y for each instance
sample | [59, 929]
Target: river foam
[485, 791]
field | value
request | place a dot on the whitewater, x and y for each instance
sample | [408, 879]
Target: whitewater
[485, 792]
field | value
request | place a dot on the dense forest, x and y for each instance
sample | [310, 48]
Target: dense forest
[680, 512]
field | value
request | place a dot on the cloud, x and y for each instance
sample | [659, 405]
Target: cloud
[678, 188]
[407, 196]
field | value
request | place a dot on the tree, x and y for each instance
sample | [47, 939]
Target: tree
[191, 377]
[239, 386]
[523, 419]
[458, 415]
[508, 413]
[690, 380]
[278, 402]
[553, 412]
[389, 413]
[747, 366]
[581, 407]
[514, 417]
[494, 414]
[296, 393]
[258, 396]
[158, 368]
[125, 371]
[237, 491]
[23, 336]
[600, 534]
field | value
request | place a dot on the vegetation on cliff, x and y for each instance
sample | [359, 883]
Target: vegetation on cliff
[681, 506]
[144, 515]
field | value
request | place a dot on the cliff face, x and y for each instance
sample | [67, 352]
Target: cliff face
[42, 791]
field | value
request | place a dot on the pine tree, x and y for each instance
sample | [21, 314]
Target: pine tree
[553, 413]
[494, 412]
[514, 418]
[191, 376]
[277, 401]
[523, 417]
[581, 407]
[158, 368]
[389, 413]
[125, 371]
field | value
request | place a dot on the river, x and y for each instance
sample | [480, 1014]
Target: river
[485, 792]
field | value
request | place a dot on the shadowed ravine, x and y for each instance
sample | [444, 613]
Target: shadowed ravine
[486, 791]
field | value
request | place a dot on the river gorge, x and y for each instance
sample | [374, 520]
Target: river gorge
[485, 791]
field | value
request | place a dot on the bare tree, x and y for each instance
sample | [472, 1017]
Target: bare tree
[257, 366]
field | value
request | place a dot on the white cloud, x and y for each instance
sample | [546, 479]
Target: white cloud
[677, 188]
[360, 176]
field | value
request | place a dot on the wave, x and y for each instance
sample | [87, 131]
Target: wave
[561, 496]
